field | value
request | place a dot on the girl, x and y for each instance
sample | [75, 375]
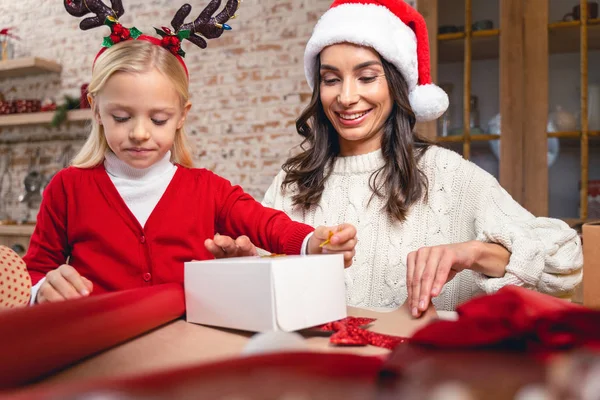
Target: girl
[131, 209]
[432, 225]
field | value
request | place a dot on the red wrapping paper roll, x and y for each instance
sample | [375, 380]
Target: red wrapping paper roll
[267, 376]
[39, 340]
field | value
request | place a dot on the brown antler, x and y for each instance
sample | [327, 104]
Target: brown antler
[205, 25]
[79, 8]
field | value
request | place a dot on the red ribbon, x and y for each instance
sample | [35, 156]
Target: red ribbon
[6, 32]
[351, 331]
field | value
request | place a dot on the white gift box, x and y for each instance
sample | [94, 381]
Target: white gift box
[258, 294]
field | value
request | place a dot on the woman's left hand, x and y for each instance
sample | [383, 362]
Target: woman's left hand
[429, 268]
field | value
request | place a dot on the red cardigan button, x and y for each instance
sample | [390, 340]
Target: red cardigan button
[147, 276]
[143, 239]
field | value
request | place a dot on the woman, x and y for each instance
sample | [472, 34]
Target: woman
[431, 225]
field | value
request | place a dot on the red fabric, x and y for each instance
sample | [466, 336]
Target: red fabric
[83, 216]
[38, 340]
[517, 318]
[413, 20]
[244, 377]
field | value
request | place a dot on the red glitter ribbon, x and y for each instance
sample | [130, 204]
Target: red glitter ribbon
[351, 331]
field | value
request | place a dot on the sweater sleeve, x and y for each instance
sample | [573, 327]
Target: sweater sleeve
[48, 248]
[239, 214]
[546, 253]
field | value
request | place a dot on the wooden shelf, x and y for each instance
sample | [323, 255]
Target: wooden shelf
[574, 142]
[42, 118]
[485, 45]
[27, 66]
[16, 229]
[571, 135]
[564, 36]
[461, 138]
[478, 142]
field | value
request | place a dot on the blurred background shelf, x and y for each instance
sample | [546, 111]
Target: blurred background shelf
[43, 118]
[485, 44]
[27, 66]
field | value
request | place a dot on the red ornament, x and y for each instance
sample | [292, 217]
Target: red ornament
[115, 38]
[350, 331]
[171, 43]
[119, 33]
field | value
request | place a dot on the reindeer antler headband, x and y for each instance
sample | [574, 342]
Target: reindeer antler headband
[204, 27]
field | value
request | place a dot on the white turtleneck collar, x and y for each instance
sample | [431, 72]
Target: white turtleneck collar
[118, 168]
[361, 163]
[140, 188]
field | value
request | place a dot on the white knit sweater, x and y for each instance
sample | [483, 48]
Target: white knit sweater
[464, 203]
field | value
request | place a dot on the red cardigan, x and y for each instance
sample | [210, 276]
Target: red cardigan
[83, 218]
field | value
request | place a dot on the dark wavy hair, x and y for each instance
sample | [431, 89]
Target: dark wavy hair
[399, 181]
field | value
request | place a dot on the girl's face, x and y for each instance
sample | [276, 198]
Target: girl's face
[355, 96]
[140, 114]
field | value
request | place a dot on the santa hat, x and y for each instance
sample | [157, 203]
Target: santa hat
[396, 31]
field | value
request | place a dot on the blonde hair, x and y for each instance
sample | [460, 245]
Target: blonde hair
[135, 56]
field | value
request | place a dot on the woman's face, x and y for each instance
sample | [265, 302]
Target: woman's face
[355, 96]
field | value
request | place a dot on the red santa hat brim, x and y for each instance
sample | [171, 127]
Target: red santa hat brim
[375, 26]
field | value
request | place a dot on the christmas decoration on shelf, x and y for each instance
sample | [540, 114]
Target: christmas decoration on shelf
[6, 43]
[60, 115]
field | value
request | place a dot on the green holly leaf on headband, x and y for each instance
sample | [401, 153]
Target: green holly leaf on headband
[107, 42]
[181, 53]
[161, 32]
[184, 34]
[135, 33]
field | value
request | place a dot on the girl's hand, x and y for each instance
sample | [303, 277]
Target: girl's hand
[62, 284]
[334, 239]
[225, 247]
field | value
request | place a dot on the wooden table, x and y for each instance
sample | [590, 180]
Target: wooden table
[180, 344]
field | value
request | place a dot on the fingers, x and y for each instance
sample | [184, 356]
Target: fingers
[427, 270]
[215, 250]
[226, 243]
[343, 233]
[47, 294]
[221, 246]
[443, 275]
[420, 264]
[348, 257]
[343, 238]
[336, 239]
[245, 246]
[63, 283]
[74, 279]
[224, 246]
[410, 272]
[429, 273]
[88, 284]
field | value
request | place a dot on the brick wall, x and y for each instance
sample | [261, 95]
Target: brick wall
[247, 87]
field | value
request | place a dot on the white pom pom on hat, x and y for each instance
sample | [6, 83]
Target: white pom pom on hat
[396, 31]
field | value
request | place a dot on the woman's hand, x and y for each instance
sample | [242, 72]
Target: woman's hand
[429, 268]
[62, 284]
[334, 239]
[226, 247]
